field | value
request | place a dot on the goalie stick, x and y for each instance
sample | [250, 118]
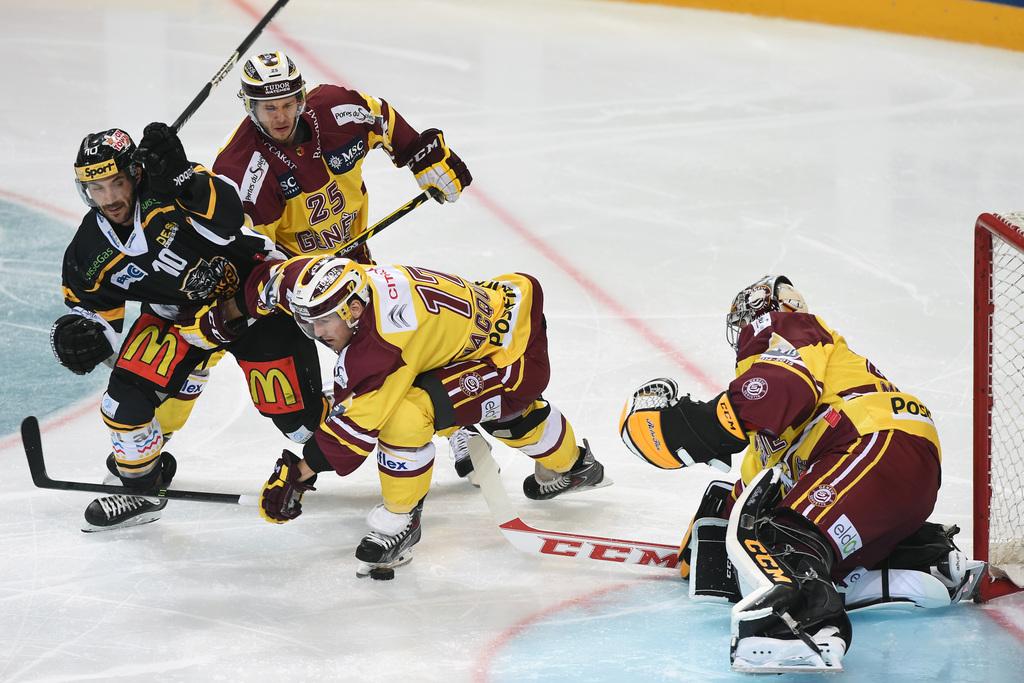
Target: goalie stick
[33, 443]
[531, 540]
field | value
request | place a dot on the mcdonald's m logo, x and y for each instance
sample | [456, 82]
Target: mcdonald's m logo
[152, 353]
[274, 386]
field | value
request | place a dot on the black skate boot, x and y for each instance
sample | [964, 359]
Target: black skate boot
[463, 441]
[587, 473]
[389, 543]
[123, 511]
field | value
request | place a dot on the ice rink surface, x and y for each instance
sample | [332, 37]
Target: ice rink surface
[645, 163]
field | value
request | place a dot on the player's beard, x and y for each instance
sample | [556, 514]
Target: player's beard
[118, 212]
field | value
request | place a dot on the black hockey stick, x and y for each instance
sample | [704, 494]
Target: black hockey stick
[198, 100]
[33, 443]
[356, 242]
[531, 540]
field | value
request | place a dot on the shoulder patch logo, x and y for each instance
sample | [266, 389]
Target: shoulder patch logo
[755, 388]
[351, 113]
[127, 275]
[255, 173]
[761, 323]
[340, 373]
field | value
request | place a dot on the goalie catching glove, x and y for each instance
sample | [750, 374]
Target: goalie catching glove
[669, 431]
[79, 344]
[438, 170]
[281, 496]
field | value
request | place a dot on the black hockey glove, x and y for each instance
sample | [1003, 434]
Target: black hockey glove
[79, 343]
[163, 156]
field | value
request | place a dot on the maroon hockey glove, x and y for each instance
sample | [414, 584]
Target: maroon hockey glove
[281, 497]
[438, 169]
[215, 325]
[167, 168]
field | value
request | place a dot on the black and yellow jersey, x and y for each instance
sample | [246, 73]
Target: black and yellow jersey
[176, 255]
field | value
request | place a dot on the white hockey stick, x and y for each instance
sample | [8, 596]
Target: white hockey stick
[528, 539]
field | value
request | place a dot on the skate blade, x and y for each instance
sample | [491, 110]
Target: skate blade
[582, 489]
[780, 668]
[364, 568]
[134, 521]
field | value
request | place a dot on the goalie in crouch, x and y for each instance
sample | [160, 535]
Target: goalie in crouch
[841, 471]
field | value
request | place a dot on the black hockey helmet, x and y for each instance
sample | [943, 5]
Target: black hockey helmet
[103, 155]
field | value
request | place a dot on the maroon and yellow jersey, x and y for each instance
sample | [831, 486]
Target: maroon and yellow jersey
[418, 320]
[309, 198]
[801, 392]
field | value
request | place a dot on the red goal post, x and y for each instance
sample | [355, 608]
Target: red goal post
[999, 400]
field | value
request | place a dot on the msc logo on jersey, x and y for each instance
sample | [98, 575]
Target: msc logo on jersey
[289, 185]
[273, 386]
[343, 159]
[127, 275]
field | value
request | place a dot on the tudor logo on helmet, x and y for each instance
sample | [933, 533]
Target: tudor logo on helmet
[271, 76]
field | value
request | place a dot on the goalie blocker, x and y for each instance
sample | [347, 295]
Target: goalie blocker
[670, 432]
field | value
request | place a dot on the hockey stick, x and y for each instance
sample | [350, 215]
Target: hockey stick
[33, 443]
[358, 241]
[528, 539]
[198, 100]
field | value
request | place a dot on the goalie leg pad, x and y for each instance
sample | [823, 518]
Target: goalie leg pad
[712, 578]
[713, 503]
[783, 566]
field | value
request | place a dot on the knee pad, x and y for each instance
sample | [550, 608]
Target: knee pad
[519, 426]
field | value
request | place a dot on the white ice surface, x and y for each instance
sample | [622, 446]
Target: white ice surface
[645, 163]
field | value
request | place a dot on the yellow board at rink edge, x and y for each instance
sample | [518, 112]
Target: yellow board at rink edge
[967, 21]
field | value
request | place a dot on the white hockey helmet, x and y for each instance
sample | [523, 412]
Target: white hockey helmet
[770, 293]
[271, 76]
[326, 286]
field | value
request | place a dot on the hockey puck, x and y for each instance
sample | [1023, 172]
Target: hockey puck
[382, 574]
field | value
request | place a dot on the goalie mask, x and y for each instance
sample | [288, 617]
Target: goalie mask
[326, 287]
[271, 76]
[770, 293]
[102, 156]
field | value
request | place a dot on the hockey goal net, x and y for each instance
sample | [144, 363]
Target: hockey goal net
[999, 399]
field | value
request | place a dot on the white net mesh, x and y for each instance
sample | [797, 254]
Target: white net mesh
[1006, 524]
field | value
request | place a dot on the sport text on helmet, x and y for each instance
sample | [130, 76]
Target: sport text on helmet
[103, 155]
[271, 76]
[770, 293]
[327, 286]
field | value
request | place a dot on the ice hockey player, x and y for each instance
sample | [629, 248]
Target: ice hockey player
[297, 160]
[169, 234]
[840, 473]
[419, 352]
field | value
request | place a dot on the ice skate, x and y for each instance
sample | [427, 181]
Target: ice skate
[586, 473]
[389, 543]
[463, 441]
[759, 654]
[122, 511]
